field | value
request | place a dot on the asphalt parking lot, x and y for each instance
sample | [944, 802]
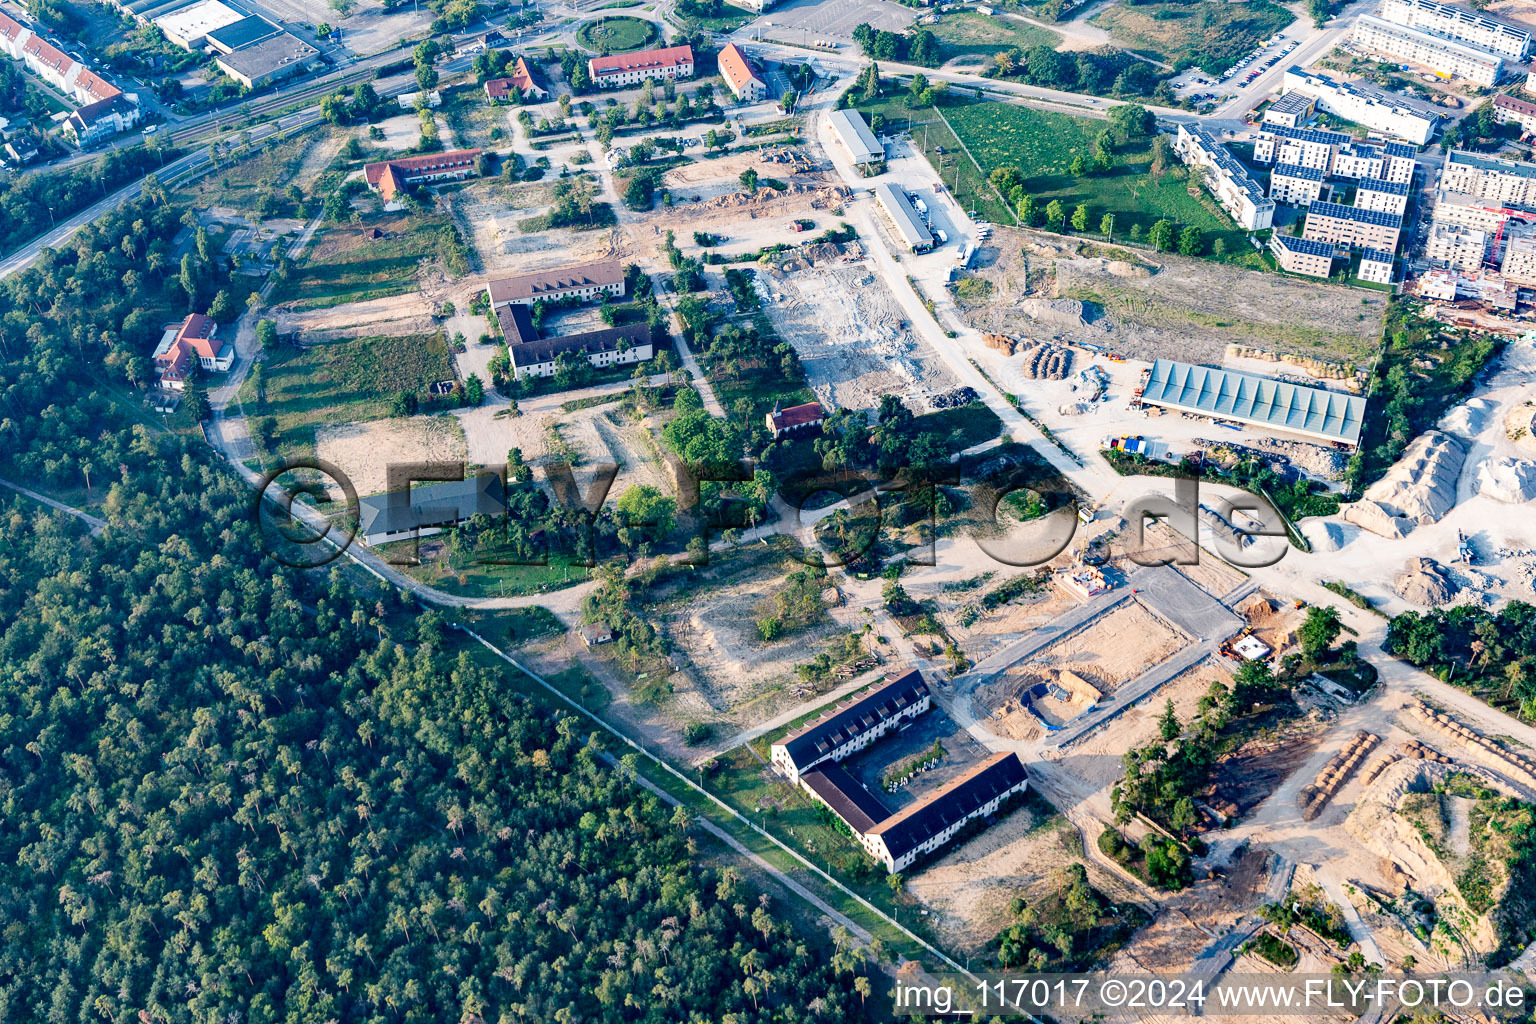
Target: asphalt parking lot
[809, 20]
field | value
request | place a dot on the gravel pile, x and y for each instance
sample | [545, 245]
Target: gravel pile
[1425, 582]
[1422, 484]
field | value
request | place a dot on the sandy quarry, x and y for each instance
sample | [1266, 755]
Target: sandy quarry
[365, 450]
[854, 339]
[1115, 649]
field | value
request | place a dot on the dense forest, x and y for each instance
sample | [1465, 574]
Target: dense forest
[1491, 654]
[237, 792]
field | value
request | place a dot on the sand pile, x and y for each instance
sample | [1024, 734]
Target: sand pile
[1468, 419]
[1425, 582]
[1375, 517]
[1323, 536]
[1506, 479]
[1520, 426]
[1063, 314]
[1422, 484]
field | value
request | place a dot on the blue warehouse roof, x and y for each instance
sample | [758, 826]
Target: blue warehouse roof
[1228, 394]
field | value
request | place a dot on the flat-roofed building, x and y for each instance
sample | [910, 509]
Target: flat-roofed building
[624, 69]
[914, 234]
[1473, 27]
[1386, 161]
[1300, 147]
[1291, 110]
[585, 281]
[1295, 186]
[1386, 196]
[272, 59]
[1509, 109]
[1229, 181]
[1315, 413]
[240, 34]
[853, 133]
[188, 26]
[1462, 210]
[1446, 57]
[1353, 226]
[1379, 112]
[741, 74]
[1375, 266]
[1300, 256]
[930, 823]
[1506, 182]
[1461, 248]
[1519, 262]
[851, 727]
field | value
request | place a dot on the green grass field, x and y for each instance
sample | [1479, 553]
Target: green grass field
[1041, 145]
[343, 381]
[342, 264]
[619, 33]
[970, 33]
[729, 19]
[271, 168]
[1207, 33]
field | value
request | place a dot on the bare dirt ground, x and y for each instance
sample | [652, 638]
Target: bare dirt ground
[408, 313]
[968, 890]
[1274, 622]
[1188, 920]
[1009, 622]
[364, 450]
[545, 433]
[744, 677]
[1179, 308]
[1096, 760]
[401, 131]
[746, 224]
[1247, 776]
[1116, 649]
[489, 211]
[854, 339]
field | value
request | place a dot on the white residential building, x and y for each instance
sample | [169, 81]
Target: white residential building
[1387, 196]
[1384, 161]
[1504, 182]
[1455, 23]
[1459, 210]
[1509, 109]
[1295, 186]
[1446, 57]
[1460, 248]
[923, 827]
[1300, 147]
[1519, 262]
[1228, 179]
[851, 727]
[1378, 112]
[1375, 267]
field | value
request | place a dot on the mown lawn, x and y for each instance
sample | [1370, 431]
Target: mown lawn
[344, 381]
[968, 33]
[1041, 145]
[729, 19]
[343, 264]
[619, 33]
[1207, 33]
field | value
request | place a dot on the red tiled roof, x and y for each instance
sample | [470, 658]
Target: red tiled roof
[520, 78]
[193, 338]
[797, 416]
[1519, 106]
[47, 55]
[389, 176]
[10, 28]
[95, 85]
[644, 60]
[736, 68]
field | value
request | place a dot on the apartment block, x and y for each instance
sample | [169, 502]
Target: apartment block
[1375, 267]
[1295, 186]
[1386, 196]
[1301, 147]
[1377, 111]
[1384, 161]
[624, 69]
[1509, 109]
[1519, 262]
[1461, 248]
[1229, 180]
[1460, 210]
[1302, 256]
[1352, 226]
[1455, 23]
[1504, 182]
[1446, 57]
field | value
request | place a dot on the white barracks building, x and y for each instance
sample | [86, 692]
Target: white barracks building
[1455, 23]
